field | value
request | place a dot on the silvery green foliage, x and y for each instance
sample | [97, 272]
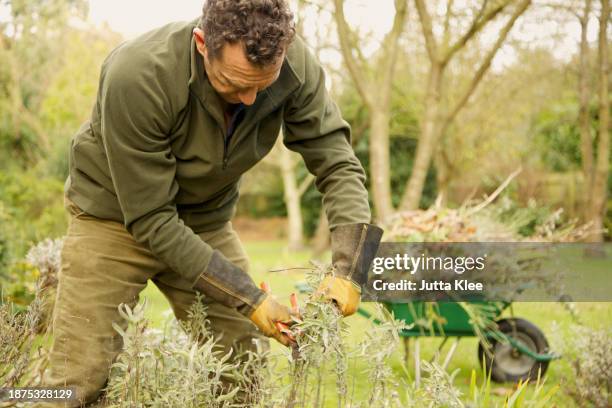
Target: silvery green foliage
[182, 367]
[380, 344]
[324, 351]
[262, 378]
[22, 357]
[46, 257]
[14, 338]
[438, 388]
[320, 350]
[590, 354]
[169, 368]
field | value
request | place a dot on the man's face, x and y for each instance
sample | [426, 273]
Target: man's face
[231, 74]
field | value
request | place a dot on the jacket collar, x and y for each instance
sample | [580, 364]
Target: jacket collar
[200, 86]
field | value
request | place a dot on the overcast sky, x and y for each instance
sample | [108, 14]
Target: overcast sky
[133, 17]
[136, 16]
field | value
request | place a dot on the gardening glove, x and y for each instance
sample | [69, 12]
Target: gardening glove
[268, 314]
[354, 246]
[343, 292]
[229, 285]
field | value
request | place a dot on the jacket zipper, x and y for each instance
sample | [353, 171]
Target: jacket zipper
[225, 151]
[231, 128]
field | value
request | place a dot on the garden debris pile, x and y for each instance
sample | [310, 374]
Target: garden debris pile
[484, 224]
[503, 221]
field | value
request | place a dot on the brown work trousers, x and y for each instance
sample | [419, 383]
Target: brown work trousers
[102, 267]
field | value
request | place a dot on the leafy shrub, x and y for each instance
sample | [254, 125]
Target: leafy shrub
[590, 354]
[35, 276]
[31, 209]
[22, 360]
[169, 369]
[45, 257]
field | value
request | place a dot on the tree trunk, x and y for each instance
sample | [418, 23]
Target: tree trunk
[432, 127]
[602, 168]
[586, 140]
[379, 163]
[375, 92]
[443, 176]
[427, 140]
[292, 200]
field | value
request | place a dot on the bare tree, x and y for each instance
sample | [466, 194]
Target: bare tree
[373, 82]
[436, 120]
[20, 115]
[586, 138]
[287, 162]
[602, 166]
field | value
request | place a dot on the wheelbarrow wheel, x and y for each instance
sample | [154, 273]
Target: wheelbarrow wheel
[506, 363]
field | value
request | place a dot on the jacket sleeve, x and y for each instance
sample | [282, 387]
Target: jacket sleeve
[136, 119]
[314, 128]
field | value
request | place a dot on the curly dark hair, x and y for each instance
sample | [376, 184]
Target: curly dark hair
[266, 27]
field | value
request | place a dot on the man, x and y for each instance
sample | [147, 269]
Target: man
[181, 113]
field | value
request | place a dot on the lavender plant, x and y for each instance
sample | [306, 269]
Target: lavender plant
[378, 347]
[175, 368]
[320, 339]
[46, 258]
[589, 352]
[438, 389]
[23, 330]
[323, 352]
[22, 359]
[181, 366]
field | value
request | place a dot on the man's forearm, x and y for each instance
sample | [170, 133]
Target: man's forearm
[209, 272]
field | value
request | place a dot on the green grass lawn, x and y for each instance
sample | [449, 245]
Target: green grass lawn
[551, 318]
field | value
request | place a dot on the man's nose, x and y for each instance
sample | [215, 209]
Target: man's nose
[248, 97]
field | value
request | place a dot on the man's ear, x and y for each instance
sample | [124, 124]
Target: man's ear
[198, 35]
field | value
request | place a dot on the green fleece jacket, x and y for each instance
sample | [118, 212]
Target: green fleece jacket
[154, 154]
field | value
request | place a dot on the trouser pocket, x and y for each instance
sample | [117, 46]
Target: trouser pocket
[72, 208]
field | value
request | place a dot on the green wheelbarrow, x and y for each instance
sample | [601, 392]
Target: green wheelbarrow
[515, 350]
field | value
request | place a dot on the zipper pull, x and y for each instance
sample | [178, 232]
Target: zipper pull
[224, 162]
